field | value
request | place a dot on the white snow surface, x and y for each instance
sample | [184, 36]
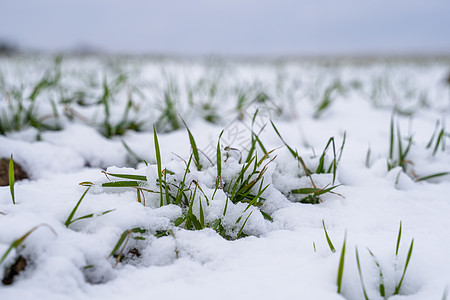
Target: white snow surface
[287, 258]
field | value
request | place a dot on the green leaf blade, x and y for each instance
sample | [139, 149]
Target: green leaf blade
[11, 179]
[341, 267]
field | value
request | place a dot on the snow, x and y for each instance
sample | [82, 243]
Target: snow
[285, 258]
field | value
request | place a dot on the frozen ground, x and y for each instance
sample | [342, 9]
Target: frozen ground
[284, 255]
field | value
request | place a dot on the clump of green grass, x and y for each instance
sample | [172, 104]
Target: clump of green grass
[396, 142]
[328, 97]
[398, 151]
[202, 98]
[50, 79]
[22, 112]
[246, 188]
[110, 129]
[381, 281]
[408, 258]
[119, 248]
[437, 139]
[168, 120]
[312, 194]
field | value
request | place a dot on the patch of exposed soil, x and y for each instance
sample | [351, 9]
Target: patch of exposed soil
[14, 270]
[19, 172]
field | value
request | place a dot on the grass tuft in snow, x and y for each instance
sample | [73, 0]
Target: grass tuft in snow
[381, 280]
[121, 244]
[328, 97]
[168, 120]
[401, 158]
[312, 195]
[408, 258]
[437, 138]
[395, 141]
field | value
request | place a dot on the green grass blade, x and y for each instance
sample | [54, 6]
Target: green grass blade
[243, 225]
[436, 128]
[11, 179]
[179, 220]
[344, 138]
[258, 140]
[131, 152]
[166, 187]
[360, 274]
[400, 145]
[190, 215]
[183, 183]
[219, 158]
[140, 194]
[440, 138]
[252, 148]
[202, 216]
[258, 196]
[330, 243]
[305, 191]
[368, 157]
[123, 240]
[408, 147]
[12, 246]
[74, 210]
[158, 162]
[294, 153]
[92, 215]
[381, 288]
[128, 176]
[341, 267]
[226, 205]
[119, 243]
[121, 184]
[408, 258]
[432, 176]
[314, 191]
[391, 139]
[266, 216]
[194, 148]
[398, 239]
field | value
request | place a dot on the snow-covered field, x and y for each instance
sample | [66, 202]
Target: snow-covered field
[282, 179]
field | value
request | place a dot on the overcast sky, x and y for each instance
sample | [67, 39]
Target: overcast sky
[260, 27]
